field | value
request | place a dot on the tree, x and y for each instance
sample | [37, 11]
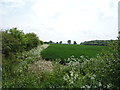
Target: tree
[32, 41]
[10, 45]
[50, 42]
[14, 40]
[60, 42]
[74, 42]
[69, 41]
[46, 42]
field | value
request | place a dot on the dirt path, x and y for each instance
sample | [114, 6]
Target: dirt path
[44, 46]
[41, 65]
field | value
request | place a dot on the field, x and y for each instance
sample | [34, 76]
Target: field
[29, 63]
[64, 51]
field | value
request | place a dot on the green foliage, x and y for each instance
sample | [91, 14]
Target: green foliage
[32, 40]
[100, 72]
[53, 79]
[97, 42]
[17, 74]
[36, 80]
[9, 44]
[15, 40]
[96, 71]
[62, 51]
[18, 53]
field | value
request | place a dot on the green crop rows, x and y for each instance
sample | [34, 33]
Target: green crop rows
[64, 51]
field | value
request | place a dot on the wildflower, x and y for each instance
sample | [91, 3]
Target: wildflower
[100, 84]
[71, 73]
[92, 78]
[94, 75]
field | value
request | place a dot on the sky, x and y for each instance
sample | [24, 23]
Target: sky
[62, 20]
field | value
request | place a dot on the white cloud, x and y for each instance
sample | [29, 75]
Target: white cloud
[13, 3]
[56, 20]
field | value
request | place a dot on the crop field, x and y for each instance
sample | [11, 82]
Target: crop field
[28, 62]
[64, 51]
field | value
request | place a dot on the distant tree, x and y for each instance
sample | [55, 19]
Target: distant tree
[118, 36]
[60, 42]
[46, 42]
[74, 42]
[69, 41]
[56, 42]
[50, 42]
[41, 42]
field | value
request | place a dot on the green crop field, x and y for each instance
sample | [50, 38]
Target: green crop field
[64, 51]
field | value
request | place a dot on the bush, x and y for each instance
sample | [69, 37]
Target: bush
[100, 72]
[16, 43]
[9, 44]
[32, 41]
[15, 40]
[29, 79]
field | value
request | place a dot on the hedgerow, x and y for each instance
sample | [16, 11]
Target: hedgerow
[14, 40]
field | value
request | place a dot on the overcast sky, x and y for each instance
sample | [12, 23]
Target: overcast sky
[61, 20]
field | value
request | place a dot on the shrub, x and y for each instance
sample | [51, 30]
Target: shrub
[100, 72]
[15, 40]
[32, 40]
[15, 46]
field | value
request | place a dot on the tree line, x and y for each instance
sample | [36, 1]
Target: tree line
[92, 42]
[60, 42]
[97, 42]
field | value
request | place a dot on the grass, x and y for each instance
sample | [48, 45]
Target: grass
[64, 51]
